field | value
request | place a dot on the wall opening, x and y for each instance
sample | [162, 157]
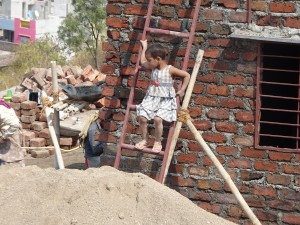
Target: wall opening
[278, 96]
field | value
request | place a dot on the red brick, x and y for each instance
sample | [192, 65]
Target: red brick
[292, 22]
[231, 54]
[291, 218]
[208, 101]
[219, 42]
[247, 92]
[282, 205]
[108, 91]
[249, 56]
[238, 17]
[218, 114]
[213, 89]
[117, 22]
[253, 153]
[262, 165]
[65, 141]
[28, 105]
[232, 103]
[28, 119]
[187, 158]
[28, 112]
[38, 126]
[231, 79]
[193, 146]
[19, 97]
[212, 14]
[278, 179]
[208, 78]
[232, 4]
[282, 7]
[210, 184]
[119, 116]
[28, 135]
[202, 124]
[198, 88]
[213, 208]
[239, 163]
[40, 153]
[110, 126]
[126, 47]
[185, 13]
[113, 34]
[226, 127]
[195, 111]
[264, 191]
[127, 71]
[218, 65]
[198, 171]
[235, 211]
[171, 2]
[44, 133]
[176, 168]
[208, 162]
[113, 9]
[214, 137]
[244, 116]
[269, 216]
[170, 25]
[243, 140]
[291, 169]
[113, 80]
[226, 150]
[280, 156]
[108, 47]
[135, 10]
[182, 182]
[106, 137]
[268, 21]
[107, 69]
[259, 6]
[37, 142]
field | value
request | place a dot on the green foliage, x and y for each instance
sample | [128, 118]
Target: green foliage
[34, 54]
[82, 29]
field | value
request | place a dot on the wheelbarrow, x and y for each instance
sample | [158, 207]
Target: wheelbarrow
[89, 93]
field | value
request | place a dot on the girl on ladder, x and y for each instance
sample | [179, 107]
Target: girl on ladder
[159, 102]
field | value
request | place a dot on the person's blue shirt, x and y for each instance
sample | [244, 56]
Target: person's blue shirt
[93, 148]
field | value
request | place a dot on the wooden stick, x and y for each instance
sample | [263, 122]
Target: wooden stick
[224, 174]
[58, 156]
[185, 104]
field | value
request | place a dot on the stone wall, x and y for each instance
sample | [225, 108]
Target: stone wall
[222, 105]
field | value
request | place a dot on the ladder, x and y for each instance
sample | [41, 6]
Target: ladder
[131, 107]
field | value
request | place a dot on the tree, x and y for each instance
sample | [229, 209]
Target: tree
[83, 28]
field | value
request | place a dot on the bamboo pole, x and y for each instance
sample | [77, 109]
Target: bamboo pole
[58, 156]
[185, 104]
[56, 124]
[224, 174]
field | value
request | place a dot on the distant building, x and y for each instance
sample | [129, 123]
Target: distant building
[26, 20]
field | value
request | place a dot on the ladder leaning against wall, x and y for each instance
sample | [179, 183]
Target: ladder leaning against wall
[131, 107]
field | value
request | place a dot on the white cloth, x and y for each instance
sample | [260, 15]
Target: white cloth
[160, 99]
[9, 122]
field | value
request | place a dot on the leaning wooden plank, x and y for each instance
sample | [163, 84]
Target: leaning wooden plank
[185, 104]
[58, 156]
[224, 174]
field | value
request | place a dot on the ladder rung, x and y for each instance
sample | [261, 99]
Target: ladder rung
[169, 32]
[145, 150]
[132, 107]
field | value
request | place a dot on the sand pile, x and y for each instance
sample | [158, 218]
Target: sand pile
[32, 195]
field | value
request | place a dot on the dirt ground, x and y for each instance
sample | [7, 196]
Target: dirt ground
[38, 194]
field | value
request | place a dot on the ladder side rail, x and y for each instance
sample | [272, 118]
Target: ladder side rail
[168, 149]
[132, 89]
[192, 34]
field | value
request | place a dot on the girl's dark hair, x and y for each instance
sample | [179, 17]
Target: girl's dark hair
[156, 50]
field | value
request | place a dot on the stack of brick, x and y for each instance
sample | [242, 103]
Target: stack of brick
[34, 122]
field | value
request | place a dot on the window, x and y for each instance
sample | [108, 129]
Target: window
[278, 97]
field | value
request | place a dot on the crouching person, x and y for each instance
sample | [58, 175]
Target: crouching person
[93, 148]
[10, 136]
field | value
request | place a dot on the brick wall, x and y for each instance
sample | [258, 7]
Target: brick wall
[222, 106]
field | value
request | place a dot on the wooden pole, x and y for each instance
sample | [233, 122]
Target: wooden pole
[185, 104]
[58, 156]
[224, 174]
[56, 124]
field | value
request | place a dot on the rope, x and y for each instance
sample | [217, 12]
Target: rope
[82, 135]
[51, 147]
[183, 115]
